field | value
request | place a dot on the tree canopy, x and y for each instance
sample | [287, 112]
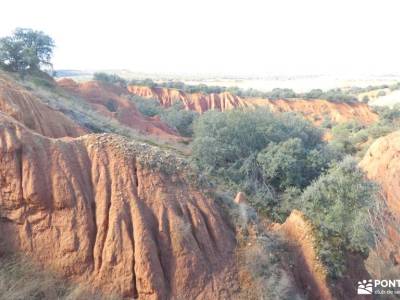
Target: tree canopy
[26, 50]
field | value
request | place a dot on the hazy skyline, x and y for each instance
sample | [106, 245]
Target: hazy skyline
[224, 37]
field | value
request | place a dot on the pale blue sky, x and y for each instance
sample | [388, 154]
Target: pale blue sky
[210, 36]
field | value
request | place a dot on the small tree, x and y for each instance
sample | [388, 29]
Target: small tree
[26, 50]
[314, 94]
[365, 99]
[381, 94]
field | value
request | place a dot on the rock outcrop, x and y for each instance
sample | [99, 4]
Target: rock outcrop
[19, 103]
[382, 164]
[313, 110]
[112, 213]
[109, 100]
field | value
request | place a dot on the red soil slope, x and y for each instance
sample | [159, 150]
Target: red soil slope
[382, 164]
[309, 274]
[313, 110]
[99, 209]
[19, 103]
[109, 101]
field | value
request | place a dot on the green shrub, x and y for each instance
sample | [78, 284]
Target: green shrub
[237, 134]
[337, 95]
[291, 164]
[338, 204]
[327, 122]
[344, 137]
[110, 79]
[279, 93]
[365, 99]
[353, 138]
[145, 82]
[314, 94]
[388, 115]
[148, 107]
[180, 119]
[282, 162]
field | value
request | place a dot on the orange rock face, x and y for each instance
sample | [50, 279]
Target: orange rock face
[240, 198]
[313, 110]
[109, 101]
[382, 164]
[197, 101]
[24, 107]
[99, 209]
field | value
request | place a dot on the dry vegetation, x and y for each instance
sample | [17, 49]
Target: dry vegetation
[21, 280]
[262, 256]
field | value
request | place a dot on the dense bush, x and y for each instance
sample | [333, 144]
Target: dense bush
[348, 136]
[26, 50]
[327, 122]
[254, 93]
[359, 90]
[110, 79]
[179, 118]
[314, 94]
[148, 107]
[144, 82]
[260, 152]
[338, 205]
[278, 93]
[388, 115]
[365, 99]
[338, 95]
[354, 138]
[292, 164]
